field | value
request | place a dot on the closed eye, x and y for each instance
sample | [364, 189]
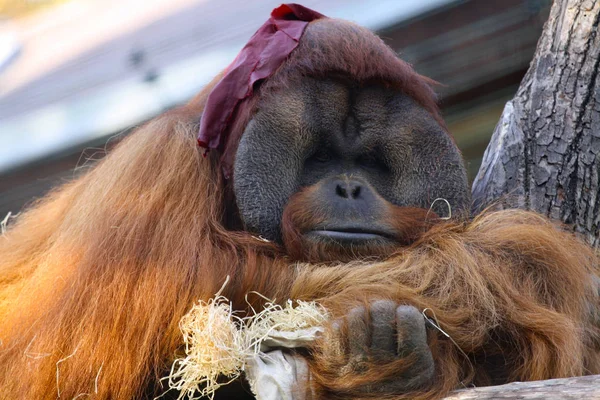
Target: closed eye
[322, 156]
[372, 161]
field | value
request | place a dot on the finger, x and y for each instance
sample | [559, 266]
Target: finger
[383, 323]
[411, 333]
[412, 340]
[358, 333]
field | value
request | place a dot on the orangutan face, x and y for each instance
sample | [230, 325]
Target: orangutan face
[346, 166]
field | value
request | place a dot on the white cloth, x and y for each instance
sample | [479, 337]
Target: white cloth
[278, 374]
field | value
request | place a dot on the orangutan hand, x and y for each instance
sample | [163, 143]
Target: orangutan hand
[386, 343]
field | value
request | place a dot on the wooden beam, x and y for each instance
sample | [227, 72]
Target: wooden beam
[578, 388]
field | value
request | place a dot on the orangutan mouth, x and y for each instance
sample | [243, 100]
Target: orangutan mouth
[351, 235]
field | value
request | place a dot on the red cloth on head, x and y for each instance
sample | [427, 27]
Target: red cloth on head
[266, 50]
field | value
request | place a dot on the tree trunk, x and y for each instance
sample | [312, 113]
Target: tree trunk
[545, 156]
[545, 152]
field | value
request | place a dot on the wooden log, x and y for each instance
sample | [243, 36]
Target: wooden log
[578, 388]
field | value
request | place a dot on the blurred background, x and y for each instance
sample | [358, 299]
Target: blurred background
[77, 75]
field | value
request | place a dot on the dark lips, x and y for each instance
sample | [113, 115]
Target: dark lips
[350, 234]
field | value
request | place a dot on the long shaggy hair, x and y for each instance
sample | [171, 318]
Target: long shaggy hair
[515, 293]
[95, 277]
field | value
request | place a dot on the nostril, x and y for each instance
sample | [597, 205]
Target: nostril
[356, 192]
[340, 191]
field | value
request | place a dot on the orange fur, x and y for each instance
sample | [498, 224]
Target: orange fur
[103, 269]
[509, 284]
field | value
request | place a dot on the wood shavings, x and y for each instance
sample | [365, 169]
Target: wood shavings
[214, 346]
[218, 343]
[58, 370]
[5, 221]
[276, 323]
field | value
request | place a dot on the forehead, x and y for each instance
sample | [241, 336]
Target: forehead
[335, 95]
[338, 107]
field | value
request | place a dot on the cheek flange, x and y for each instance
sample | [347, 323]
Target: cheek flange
[265, 176]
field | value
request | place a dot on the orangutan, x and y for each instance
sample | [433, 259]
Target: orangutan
[322, 161]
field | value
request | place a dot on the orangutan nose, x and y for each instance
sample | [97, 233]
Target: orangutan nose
[348, 189]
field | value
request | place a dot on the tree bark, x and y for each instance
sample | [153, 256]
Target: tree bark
[545, 152]
[544, 156]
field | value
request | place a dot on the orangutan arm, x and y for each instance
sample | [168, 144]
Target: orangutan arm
[511, 290]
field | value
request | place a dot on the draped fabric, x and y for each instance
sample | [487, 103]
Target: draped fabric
[268, 48]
